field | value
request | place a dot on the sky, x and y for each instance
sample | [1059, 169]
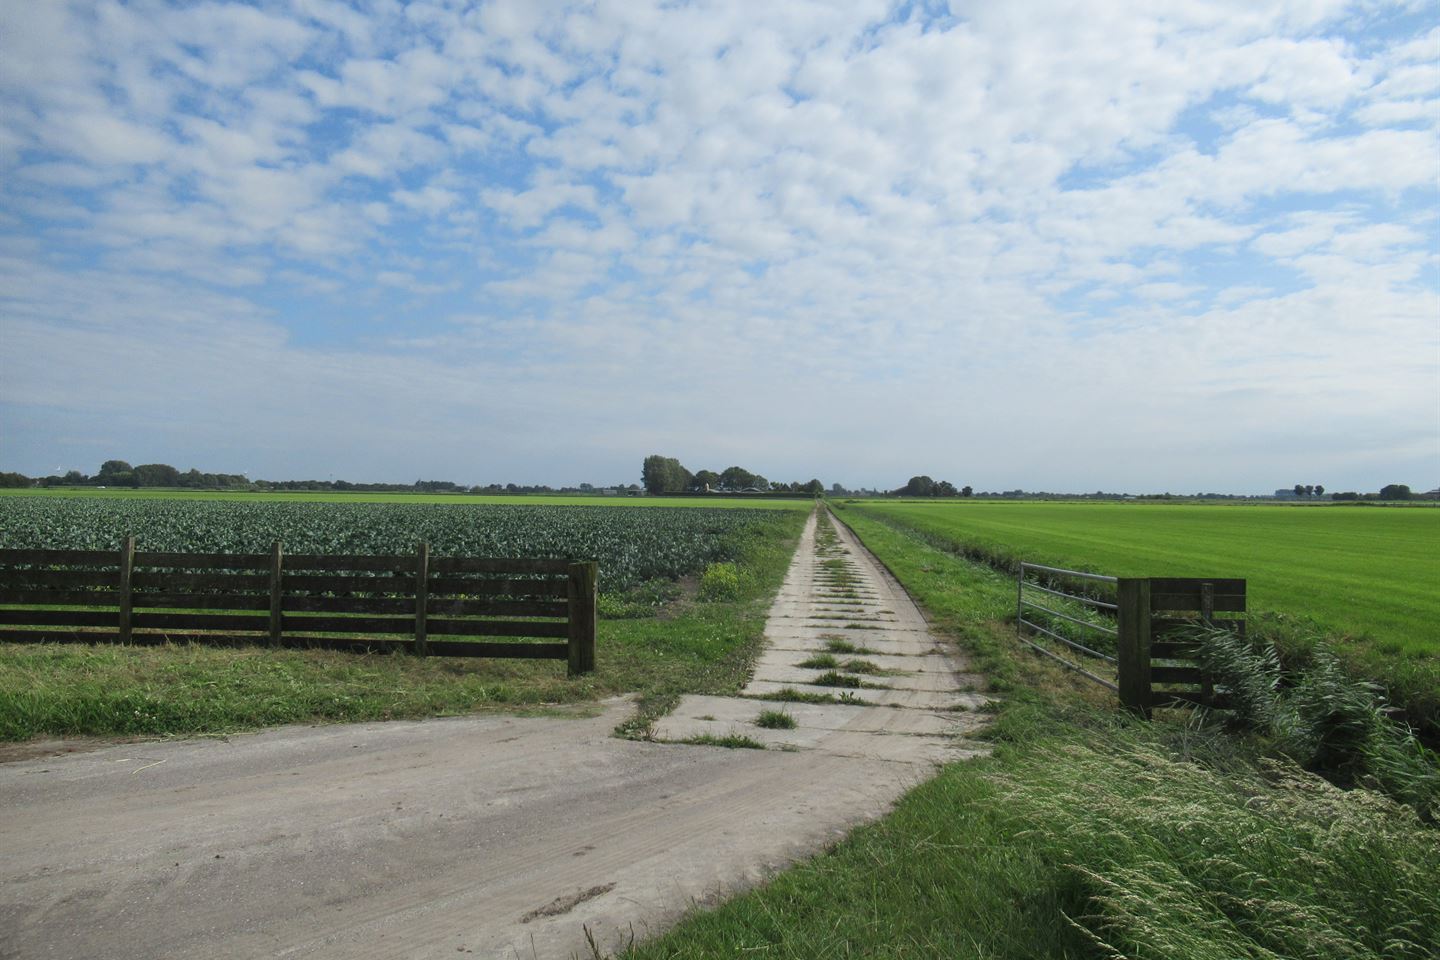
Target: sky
[1153, 246]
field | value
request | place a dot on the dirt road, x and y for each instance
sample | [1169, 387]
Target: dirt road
[491, 836]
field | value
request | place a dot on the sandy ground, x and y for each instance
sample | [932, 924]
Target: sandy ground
[491, 836]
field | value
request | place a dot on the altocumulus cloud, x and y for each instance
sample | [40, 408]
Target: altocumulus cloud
[1172, 245]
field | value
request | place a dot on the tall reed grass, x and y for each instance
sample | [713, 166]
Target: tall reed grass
[1179, 858]
[1316, 714]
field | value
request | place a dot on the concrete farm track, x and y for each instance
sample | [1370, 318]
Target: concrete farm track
[491, 836]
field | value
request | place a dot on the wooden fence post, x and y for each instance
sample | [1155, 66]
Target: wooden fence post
[127, 598]
[276, 558]
[1207, 617]
[580, 592]
[422, 598]
[1132, 645]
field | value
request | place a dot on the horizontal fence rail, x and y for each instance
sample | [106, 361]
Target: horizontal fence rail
[1178, 613]
[304, 600]
[1022, 604]
[1158, 628]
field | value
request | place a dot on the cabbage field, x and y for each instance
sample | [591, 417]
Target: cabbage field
[632, 544]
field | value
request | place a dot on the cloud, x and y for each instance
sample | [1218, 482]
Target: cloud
[716, 227]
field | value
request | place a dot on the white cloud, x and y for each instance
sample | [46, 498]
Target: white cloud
[783, 207]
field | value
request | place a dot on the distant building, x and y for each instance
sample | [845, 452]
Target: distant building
[1286, 494]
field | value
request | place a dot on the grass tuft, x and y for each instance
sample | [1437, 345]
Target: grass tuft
[833, 678]
[838, 644]
[734, 741]
[775, 720]
[791, 695]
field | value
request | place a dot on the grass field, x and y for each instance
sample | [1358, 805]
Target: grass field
[1359, 571]
[1363, 578]
[340, 496]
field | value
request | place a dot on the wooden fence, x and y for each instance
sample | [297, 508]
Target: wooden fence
[1156, 650]
[303, 600]
[1156, 619]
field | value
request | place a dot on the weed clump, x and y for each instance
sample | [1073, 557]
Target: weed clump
[791, 695]
[734, 741]
[838, 644]
[720, 581]
[834, 678]
[775, 720]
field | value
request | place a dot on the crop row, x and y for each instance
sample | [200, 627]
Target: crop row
[632, 544]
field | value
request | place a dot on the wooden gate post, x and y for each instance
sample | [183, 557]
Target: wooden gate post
[1132, 645]
[580, 594]
[127, 593]
[422, 598]
[277, 554]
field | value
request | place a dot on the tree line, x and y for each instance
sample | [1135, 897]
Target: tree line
[119, 473]
[923, 486]
[660, 474]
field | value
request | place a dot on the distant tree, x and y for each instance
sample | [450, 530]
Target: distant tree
[14, 480]
[705, 480]
[112, 467]
[1395, 491]
[737, 478]
[1309, 489]
[814, 487]
[921, 486]
[1319, 490]
[1348, 495]
[663, 474]
[156, 475]
[836, 489]
[945, 489]
[75, 476]
[966, 491]
[1299, 489]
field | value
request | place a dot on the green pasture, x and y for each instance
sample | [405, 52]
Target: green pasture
[343, 496]
[1362, 572]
